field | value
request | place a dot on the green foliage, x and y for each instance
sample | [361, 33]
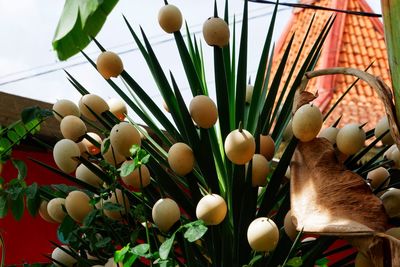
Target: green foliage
[80, 20]
[390, 12]
[31, 118]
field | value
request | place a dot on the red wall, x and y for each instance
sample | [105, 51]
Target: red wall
[28, 239]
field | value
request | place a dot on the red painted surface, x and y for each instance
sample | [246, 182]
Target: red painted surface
[27, 240]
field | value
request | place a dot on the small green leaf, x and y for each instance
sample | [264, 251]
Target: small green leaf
[322, 262]
[21, 167]
[62, 188]
[106, 146]
[5, 146]
[15, 190]
[127, 168]
[119, 255]
[31, 191]
[112, 206]
[33, 126]
[145, 159]
[295, 262]
[134, 149]
[89, 219]
[30, 114]
[141, 153]
[195, 232]
[3, 205]
[13, 136]
[130, 261]
[141, 249]
[20, 129]
[134, 236]
[17, 206]
[103, 242]
[65, 229]
[166, 247]
[32, 199]
[80, 19]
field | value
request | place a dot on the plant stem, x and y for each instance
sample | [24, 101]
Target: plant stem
[143, 200]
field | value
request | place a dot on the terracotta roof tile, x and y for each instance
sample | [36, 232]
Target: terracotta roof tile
[359, 41]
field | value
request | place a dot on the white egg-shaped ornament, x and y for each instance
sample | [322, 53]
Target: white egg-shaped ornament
[65, 107]
[181, 158]
[109, 64]
[240, 146]
[350, 139]
[92, 148]
[78, 206]
[44, 213]
[118, 108]
[65, 154]
[259, 170]
[165, 213]
[329, 133]
[92, 104]
[267, 146]
[72, 128]
[55, 209]
[381, 127]
[123, 136]
[307, 122]
[263, 234]
[60, 256]
[216, 32]
[211, 209]
[170, 18]
[391, 202]
[203, 110]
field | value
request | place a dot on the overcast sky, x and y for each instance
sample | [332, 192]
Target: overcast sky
[27, 28]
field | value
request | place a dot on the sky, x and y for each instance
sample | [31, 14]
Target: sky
[27, 28]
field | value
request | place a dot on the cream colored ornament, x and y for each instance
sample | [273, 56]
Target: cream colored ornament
[165, 213]
[307, 122]
[216, 32]
[263, 234]
[170, 18]
[72, 128]
[92, 102]
[65, 154]
[240, 146]
[203, 111]
[123, 136]
[109, 64]
[181, 158]
[78, 206]
[64, 108]
[211, 209]
[55, 209]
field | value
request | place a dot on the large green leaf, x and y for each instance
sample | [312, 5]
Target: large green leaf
[80, 20]
[391, 14]
[17, 206]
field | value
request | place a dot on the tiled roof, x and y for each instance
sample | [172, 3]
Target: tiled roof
[354, 41]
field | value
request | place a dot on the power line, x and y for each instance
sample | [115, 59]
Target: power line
[66, 66]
